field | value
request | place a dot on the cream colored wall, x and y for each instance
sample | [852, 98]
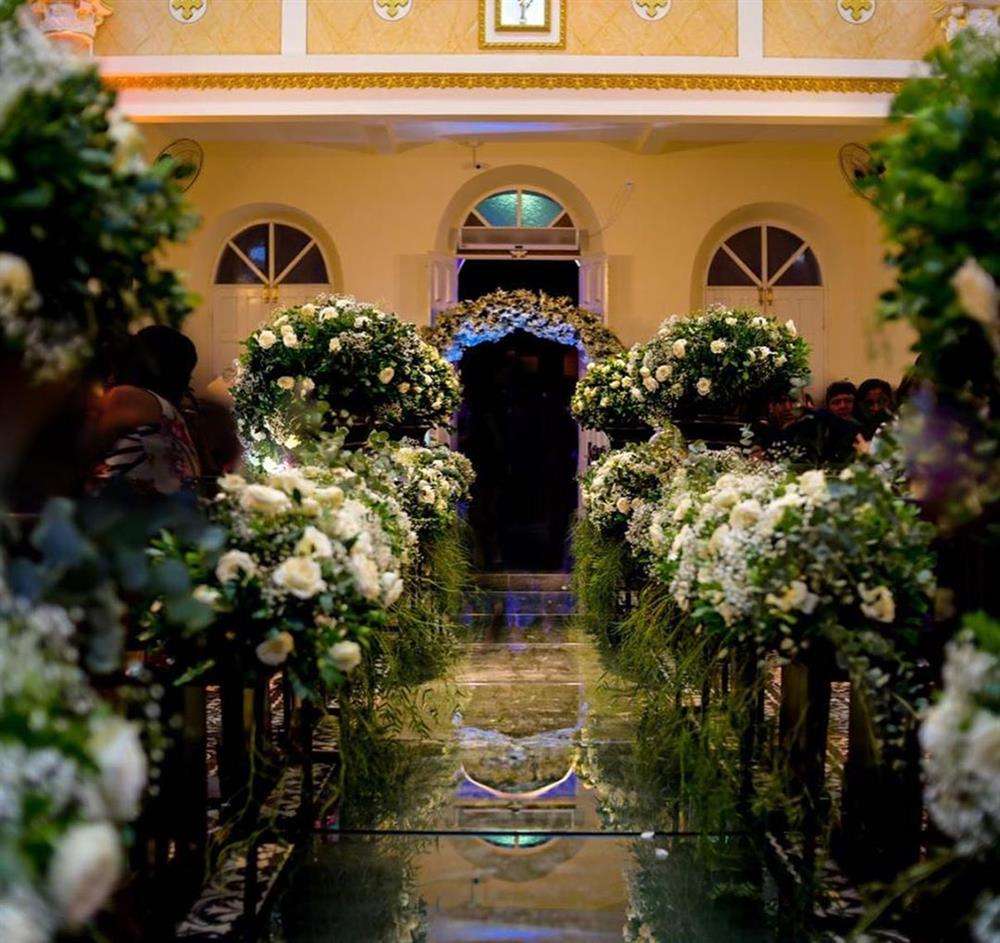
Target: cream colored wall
[383, 214]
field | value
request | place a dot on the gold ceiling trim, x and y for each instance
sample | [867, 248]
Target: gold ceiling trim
[236, 81]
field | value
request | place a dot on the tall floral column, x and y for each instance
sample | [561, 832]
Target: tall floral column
[71, 23]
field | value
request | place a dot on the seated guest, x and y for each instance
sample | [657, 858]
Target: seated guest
[778, 415]
[138, 433]
[840, 397]
[874, 406]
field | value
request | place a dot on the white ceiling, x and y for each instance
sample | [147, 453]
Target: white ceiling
[387, 135]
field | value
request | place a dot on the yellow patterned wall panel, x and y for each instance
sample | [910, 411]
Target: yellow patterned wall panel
[145, 27]
[900, 29]
[594, 27]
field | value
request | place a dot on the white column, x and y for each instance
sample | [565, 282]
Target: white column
[750, 26]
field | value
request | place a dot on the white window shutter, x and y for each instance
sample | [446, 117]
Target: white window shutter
[442, 275]
[594, 284]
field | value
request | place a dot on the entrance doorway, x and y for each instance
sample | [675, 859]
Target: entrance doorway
[556, 277]
[516, 427]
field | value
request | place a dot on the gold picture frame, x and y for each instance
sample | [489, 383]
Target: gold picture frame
[549, 34]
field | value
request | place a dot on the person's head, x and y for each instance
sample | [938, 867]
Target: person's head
[780, 409]
[840, 398]
[160, 359]
[875, 397]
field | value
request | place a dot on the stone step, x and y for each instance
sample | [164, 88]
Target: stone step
[538, 582]
[518, 627]
[522, 603]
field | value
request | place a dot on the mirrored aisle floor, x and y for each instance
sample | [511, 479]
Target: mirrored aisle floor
[516, 812]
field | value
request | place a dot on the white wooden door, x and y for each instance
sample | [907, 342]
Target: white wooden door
[236, 312]
[733, 297]
[593, 284]
[442, 282]
[806, 307]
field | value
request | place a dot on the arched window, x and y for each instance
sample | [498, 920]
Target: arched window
[271, 254]
[521, 222]
[764, 257]
[267, 264]
[775, 271]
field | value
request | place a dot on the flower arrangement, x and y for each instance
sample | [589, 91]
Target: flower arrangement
[621, 481]
[308, 570]
[338, 362]
[606, 396]
[81, 212]
[783, 563]
[71, 775]
[430, 481]
[493, 316]
[716, 360]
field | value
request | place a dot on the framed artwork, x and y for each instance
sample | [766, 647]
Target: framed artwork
[522, 24]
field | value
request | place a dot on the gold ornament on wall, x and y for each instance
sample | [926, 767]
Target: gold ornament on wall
[856, 12]
[187, 11]
[522, 24]
[392, 10]
[652, 10]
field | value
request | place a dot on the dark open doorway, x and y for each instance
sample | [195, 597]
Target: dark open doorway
[556, 277]
[516, 427]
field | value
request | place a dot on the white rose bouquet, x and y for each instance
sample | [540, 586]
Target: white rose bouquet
[718, 360]
[621, 481]
[71, 775]
[338, 362]
[607, 395]
[308, 570]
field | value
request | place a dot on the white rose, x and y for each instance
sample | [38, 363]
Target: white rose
[15, 276]
[623, 505]
[345, 655]
[334, 344]
[233, 565]
[308, 310]
[206, 595]
[86, 866]
[650, 384]
[307, 386]
[745, 514]
[704, 386]
[232, 483]
[759, 322]
[117, 750]
[663, 372]
[392, 588]
[679, 348]
[984, 746]
[314, 543]
[275, 650]
[289, 338]
[291, 480]
[365, 573]
[286, 383]
[265, 499]
[813, 483]
[977, 292]
[878, 603]
[267, 339]
[386, 374]
[718, 346]
[732, 322]
[791, 328]
[301, 576]
[326, 313]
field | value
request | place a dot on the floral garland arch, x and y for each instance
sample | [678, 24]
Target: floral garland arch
[494, 316]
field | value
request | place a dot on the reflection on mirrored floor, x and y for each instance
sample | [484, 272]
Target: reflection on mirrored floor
[516, 811]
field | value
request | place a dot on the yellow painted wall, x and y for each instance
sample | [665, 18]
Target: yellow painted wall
[900, 29]
[383, 214]
[145, 27]
[593, 27]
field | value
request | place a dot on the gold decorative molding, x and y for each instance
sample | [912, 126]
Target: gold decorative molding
[287, 81]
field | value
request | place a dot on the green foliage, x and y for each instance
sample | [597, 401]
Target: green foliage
[599, 569]
[939, 198]
[79, 206]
